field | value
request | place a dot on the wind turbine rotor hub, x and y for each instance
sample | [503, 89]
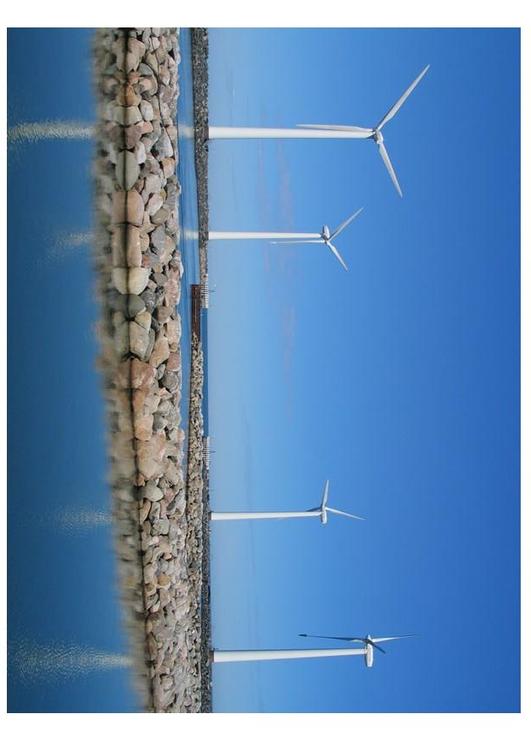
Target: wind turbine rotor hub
[378, 136]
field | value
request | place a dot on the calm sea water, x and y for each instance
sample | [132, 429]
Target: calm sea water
[66, 642]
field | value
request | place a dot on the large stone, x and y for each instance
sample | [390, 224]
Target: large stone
[164, 145]
[138, 339]
[138, 279]
[133, 245]
[154, 204]
[127, 170]
[119, 279]
[152, 184]
[140, 152]
[150, 456]
[135, 52]
[135, 305]
[142, 374]
[127, 116]
[127, 96]
[163, 313]
[172, 291]
[121, 339]
[152, 492]
[143, 426]
[161, 351]
[168, 166]
[146, 110]
[132, 134]
[127, 208]
[144, 319]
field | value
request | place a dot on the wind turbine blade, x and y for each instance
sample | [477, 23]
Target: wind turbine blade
[331, 637]
[387, 162]
[345, 223]
[393, 638]
[396, 106]
[342, 513]
[296, 242]
[363, 132]
[373, 644]
[336, 253]
[325, 495]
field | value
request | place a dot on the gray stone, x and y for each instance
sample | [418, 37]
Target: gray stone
[150, 299]
[146, 109]
[171, 381]
[135, 305]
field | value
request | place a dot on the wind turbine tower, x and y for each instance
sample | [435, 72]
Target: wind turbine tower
[328, 131]
[321, 512]
[309, 653]
[324, 237]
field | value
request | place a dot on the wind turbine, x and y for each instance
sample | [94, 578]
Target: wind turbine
[327, 131]
[325, 236]
[307, 653]
[370, 642]
[376, 132]
[321, 511]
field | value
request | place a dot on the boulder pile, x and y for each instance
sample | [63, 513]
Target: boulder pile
[139, 274]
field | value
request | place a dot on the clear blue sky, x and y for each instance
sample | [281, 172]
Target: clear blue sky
[398, 381]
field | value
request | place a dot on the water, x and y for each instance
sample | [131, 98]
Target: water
[188, 218]
[67, 650]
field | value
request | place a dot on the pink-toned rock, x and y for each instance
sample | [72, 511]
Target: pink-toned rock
[138, 339]
[168, 166]
[133, 246]
[154, 203]
[150, 456]
[163, 313]
[127, 208]
[127, 97]
[142, 374]
[132, 134]
[173, 333]
[143, 426]
[172, 291]
[161, 351]
[174, 361]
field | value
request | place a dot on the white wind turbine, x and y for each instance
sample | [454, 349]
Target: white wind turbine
[324, 237]
[370, 642]
[308, 653]
[327, 131]
[321, 512]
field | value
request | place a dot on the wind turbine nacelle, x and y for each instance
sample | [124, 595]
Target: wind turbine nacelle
[324, 516]
[369, 655]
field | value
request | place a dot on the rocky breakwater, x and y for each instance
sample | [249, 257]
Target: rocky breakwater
[139, 273]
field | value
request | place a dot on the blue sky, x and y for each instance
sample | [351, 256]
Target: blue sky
[398, 381]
